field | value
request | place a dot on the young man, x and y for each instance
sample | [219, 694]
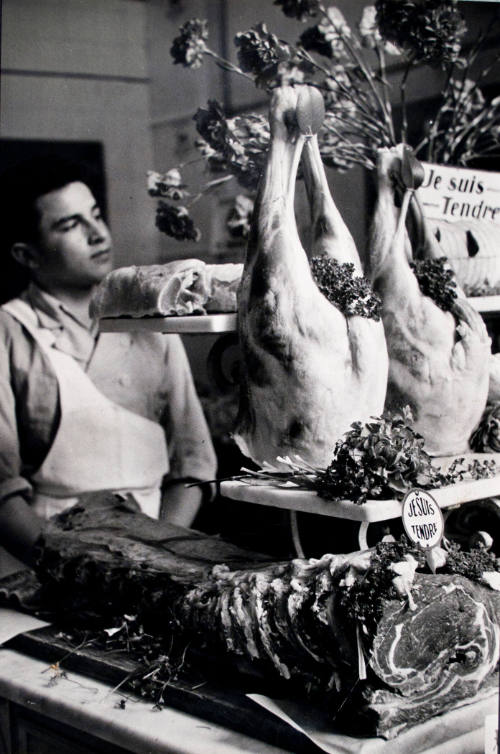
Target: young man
[82, 411]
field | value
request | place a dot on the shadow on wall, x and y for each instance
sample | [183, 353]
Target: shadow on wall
[16, 151]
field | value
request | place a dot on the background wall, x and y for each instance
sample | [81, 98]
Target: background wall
[176, 94]
[76, 70]
[101, 70]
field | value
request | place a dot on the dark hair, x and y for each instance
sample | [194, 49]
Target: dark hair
[24, 183]
[20, 186]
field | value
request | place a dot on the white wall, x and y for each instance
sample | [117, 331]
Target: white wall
[176, 94]
[77, 70]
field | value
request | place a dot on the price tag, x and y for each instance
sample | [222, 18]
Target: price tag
[422, 519]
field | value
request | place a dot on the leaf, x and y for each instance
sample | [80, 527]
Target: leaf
[112, 631]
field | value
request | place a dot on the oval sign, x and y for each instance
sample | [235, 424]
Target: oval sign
[422, 519]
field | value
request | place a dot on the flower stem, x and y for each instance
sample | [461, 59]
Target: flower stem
[209, 187]
[385, 89]
[226, 65]
[402, 89]
[358, 59]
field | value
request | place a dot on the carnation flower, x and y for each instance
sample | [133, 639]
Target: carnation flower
[210, 124]
[188, 48]
[327, 38]
[175, 222]
[247, 140]
[260, 52]
[166, 184]
[238, 218]
[370, 35]
[240, 143]
[299, 8]
[429, 31]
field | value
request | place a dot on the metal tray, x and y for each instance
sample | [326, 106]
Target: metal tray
[193, 324]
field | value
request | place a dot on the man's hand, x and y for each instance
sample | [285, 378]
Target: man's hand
[20, 528]
[180, 503]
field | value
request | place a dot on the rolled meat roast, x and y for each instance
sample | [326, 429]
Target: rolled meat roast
[180, 287]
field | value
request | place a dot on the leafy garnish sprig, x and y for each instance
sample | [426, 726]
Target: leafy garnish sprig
[363, 599]
[379, 460]
[436, 280]
[351, 293]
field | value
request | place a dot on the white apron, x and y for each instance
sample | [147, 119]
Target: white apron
[99, 445]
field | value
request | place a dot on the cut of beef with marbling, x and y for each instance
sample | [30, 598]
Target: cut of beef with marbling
[289, 620]
[438, 360]
[308, 370]
[430, 658]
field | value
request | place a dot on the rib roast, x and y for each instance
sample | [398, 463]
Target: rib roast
[430, 645]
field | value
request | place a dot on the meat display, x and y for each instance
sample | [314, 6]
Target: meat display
[430, 644]
[308, 369]
[433, 656]
[181, 287]
[438, 360]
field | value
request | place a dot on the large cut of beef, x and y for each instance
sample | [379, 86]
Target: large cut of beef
[307, 370]
[298, 620]
[438, 359]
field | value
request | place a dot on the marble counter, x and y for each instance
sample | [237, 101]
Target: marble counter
[91, 706]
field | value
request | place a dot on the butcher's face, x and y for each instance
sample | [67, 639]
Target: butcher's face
[74, 246]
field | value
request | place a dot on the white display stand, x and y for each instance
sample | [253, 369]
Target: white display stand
[485, 304]
[306, 501]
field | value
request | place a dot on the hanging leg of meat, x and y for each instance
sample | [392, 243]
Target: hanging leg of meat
[332, 238]
[438, 360]
[429, 248]
[304, 373]
[330, 234]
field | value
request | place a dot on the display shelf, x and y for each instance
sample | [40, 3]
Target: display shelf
[306, 501]
[485, 304]
[226, 322]
[189, 325]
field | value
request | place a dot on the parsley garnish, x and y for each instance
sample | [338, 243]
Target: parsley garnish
[436, 281]
[349, 292]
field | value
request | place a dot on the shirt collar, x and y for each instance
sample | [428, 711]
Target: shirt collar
[48, 309]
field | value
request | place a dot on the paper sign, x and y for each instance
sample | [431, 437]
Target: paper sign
[13, 623]
[422, 519]
[450, 193]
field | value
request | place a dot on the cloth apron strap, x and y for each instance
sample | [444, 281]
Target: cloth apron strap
[99, 445]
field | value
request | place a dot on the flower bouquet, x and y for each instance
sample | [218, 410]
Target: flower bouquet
[350, 67]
